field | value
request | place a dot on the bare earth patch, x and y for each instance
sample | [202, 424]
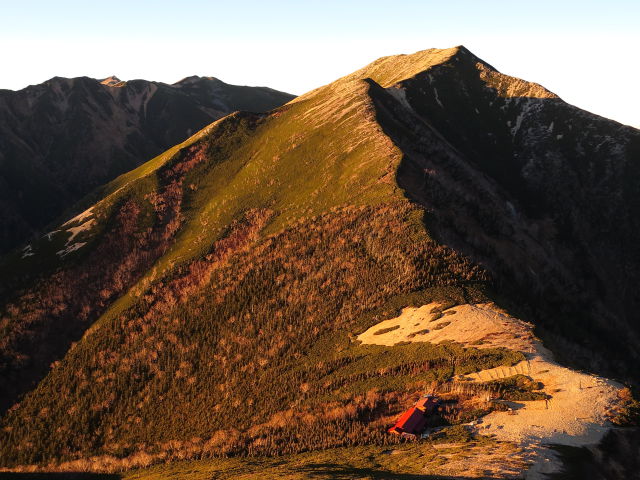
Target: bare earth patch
[578, 411]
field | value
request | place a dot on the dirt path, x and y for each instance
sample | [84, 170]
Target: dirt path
[576, 414]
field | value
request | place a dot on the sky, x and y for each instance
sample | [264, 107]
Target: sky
[585, 51]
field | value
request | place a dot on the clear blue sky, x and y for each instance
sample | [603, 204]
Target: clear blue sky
[585, 51]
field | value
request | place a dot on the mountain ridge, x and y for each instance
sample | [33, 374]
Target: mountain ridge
[262, 246]
[114, 80]
[67, 136]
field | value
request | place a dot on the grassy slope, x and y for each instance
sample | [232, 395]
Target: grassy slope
[529, 194]
[406, 461]
[292, 231]
[64, 137]
[292, 237]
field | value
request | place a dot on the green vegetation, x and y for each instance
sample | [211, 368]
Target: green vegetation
[215, 308]
[407, 461]
[58, 145]
[441, 325]
[517, 388]
[237, 340]
[419, 332]
[385, 330]
[197, 357]
[628, 412]
[456, 434]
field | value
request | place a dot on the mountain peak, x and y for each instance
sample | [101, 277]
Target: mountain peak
[391, 70]
[262, 247]
[195, 79]
[112, 81]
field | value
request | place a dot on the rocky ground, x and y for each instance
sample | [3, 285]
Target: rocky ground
[578, 410]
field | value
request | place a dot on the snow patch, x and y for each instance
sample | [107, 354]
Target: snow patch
[435, 93]
[518, 124]
[526, 106]
[400, 95]
[70, 248]
[27, 251]
[79, 229]
[50, 234]
[85, 226]
[78, 218]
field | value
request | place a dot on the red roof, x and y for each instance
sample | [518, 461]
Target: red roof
[412, 421]
[427, 403]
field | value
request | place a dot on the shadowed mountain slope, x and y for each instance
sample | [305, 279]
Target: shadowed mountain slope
[65, 137]
[209, 303]
[538, 191]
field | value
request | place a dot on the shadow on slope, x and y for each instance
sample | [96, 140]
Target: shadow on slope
[530, 203]
[320, 470]
[616, 456]
[58, 476]
[347, 472]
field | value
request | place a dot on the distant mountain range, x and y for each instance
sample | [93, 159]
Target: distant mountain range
[61, 139]
[213, 302]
